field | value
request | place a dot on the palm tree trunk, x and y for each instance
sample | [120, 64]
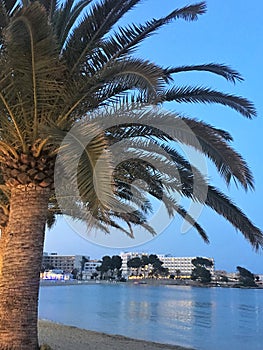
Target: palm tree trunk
[3, 241]
[21, 263]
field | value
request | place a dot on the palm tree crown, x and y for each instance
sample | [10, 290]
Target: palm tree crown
[71, 65]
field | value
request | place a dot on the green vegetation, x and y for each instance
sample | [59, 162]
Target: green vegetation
[200, 272]
[246, 278]
[72, 88]
[110, 264]
[151, 266]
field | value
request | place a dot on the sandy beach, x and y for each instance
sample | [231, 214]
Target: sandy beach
[60, 337]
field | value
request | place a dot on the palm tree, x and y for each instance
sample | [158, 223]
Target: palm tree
[67, 78]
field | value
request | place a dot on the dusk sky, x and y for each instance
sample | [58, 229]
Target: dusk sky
[230, 33]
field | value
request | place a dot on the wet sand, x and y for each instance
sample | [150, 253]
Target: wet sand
[60, 337]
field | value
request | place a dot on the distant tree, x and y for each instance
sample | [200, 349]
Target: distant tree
[246, 278]
[157, 268]
[82, 264]
[198, 261]
[200, 273]
[135, 263]
[153, 259]
[119, 274]
[161, 271]
[116, 264]
[172, 277]
[105, 266]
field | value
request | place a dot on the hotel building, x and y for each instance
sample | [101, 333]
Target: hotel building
[176, 265]
[67, 263]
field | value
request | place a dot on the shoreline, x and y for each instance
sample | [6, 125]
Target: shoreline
[150, 282]
[62, 337]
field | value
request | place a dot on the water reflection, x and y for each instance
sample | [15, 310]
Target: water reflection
[202, 318]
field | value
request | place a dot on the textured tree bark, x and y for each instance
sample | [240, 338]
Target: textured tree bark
[20, 270]
[3, 240]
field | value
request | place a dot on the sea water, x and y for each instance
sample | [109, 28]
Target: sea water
[202, 318]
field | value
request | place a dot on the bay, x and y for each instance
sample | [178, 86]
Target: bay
[202, 318]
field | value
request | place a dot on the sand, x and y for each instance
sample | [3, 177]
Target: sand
[60, 337]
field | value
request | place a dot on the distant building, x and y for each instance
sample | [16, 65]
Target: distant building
[181, 265]
[66, 263]
[57, 275]
[175, 265]
[126, 256]
[90, 267]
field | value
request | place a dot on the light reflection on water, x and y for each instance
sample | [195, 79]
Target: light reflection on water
[203, 318]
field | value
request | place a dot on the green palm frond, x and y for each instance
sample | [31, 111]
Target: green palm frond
[164, 125]
[228, 73]
[28, 95]
[71, 91]
[97, 23]
[85, 162]
[226, 208]
[64, 18]
[126, 75]
[228, 162]
[206, 95]
[128, 38]
[174, 207]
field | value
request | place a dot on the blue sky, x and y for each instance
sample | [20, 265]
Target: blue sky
[230, 34]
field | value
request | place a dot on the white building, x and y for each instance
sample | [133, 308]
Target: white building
[181, 265]
[58, 275]
[90, 267]
[67, 263]
[176, 265]
[126, 256]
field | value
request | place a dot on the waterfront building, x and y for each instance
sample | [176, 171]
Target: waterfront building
[90, 267]
[179, 266]
[66, 263]
[126, 256]
[57, 275]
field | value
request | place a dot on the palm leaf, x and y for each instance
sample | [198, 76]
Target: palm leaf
[226, 208]
[102, 16]
[205, 95]
[126, 39]
[168, 126]
[220, 69]
[36, 75]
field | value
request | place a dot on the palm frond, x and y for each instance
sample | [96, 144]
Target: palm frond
[227, 72]
[35, 81]
[85, 162]
[127, 75]
[66, 17]
[128, 38]
[153, 122]
[228, 162]
[190, 94]
[226, 208]
[50, 6]
[98, 22]
[172, 207]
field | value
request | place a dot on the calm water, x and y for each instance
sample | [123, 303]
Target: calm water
[203, 318]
